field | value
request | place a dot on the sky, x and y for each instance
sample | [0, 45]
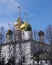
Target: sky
[39, 12]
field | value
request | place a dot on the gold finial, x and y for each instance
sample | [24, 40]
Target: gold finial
[25, 15]
[19, 8]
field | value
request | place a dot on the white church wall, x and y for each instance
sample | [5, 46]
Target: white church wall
[28, 52]
[5, 52]
[17, 53]
[27, 35]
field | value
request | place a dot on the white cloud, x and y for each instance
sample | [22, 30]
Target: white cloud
[8, 7]
[8, 2]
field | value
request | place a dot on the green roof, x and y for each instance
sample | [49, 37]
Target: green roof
[28, 28]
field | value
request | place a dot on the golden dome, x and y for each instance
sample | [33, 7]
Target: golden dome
[25, 27]
[18, 23]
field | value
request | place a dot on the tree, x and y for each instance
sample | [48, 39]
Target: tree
[35, 58]
[11, 61]
[2, 34]
[48, 33]
[3, 61]
[1, 38]
[48, 36]
[35, 35]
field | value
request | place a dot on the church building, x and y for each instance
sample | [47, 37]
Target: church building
[20, 45]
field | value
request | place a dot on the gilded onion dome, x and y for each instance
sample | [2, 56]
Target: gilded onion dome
[18, 23]
[9, 32]
[25, 27]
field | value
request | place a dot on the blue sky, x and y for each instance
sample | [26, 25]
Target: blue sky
[39, 12]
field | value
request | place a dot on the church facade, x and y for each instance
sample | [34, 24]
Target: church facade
[20, 45]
